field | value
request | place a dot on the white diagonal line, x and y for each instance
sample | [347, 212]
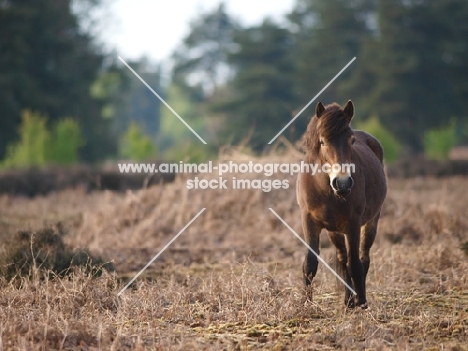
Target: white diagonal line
[162, 100]
[311, 101]
[160, 252]
[312, 250]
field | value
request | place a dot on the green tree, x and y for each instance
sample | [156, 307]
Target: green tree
[328, 34]
[439, 142]
[391, 146]
[135, 145]
[414, 77]
[125, 98]
[398, 66]
[38, 145]
[175, 140]
[33, 148]
[66, 141]
[202, 58]
[48, 63]
[262, 99]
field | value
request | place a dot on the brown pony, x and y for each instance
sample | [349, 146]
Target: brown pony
[347, 204]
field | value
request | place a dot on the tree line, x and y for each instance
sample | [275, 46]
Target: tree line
[240, 84]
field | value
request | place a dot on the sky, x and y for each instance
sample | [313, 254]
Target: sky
[154, 28]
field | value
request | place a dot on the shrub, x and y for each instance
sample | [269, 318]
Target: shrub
[66, 141]
[464, 247]
[439, 142]
[390, 144]
[33, 148]
[135, 145]
[38, 146]
[44, 250]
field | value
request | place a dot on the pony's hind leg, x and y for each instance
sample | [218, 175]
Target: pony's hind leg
[338, 239]
[368, 233]
[312, 237]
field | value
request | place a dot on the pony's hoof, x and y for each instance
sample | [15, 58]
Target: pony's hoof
[350, 303]
[364, 306]
[308, 293]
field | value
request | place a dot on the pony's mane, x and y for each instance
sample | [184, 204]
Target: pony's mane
[331, 123]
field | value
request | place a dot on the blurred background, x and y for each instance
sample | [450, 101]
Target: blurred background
[236, 71]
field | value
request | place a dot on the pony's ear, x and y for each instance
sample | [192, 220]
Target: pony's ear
[319, 109]
[349, 110]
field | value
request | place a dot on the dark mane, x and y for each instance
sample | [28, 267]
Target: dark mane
[332, 123]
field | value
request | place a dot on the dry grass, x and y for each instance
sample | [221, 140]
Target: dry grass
[233, 280]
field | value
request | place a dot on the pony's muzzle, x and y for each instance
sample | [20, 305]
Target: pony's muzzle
[342, 185]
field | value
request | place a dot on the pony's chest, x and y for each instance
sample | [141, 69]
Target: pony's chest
[332, 218]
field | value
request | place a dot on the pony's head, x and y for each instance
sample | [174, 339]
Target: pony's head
[330, 139]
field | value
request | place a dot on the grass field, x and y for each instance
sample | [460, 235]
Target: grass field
[232, 280]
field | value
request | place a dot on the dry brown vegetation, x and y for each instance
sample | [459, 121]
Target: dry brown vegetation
[233, 280]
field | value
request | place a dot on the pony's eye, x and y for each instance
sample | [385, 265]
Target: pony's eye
[353, 140]
[322, 143]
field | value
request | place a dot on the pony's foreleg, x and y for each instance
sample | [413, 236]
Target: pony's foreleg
[338, 239]
[312, 238]
[355, 266]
